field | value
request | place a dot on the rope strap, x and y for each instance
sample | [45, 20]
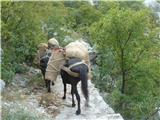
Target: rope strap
[68, 69]
[76, 64]
[50, 63]
[74, 74]
[56, 70]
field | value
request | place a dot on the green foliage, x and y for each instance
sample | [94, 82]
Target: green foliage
[19, 113]
[55, 23]
[19, 68]
[122, 31]
[142, 93]
[20, 35]
[75, 4]
[24, 27]
[8, 74]
[125, 34]
[135, 5]
[80, 19]
[37, 80]
[105, 73]
[105, 6]
[126, 40]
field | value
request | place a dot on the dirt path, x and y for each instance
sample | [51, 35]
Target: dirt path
[32, 97]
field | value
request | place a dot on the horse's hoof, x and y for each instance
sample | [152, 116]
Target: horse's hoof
[49, 91]
[78, 112]
[63, 97]
[52, 83]
[73, 105]
[86, 104]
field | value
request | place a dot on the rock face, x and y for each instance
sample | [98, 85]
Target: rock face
[33, 98]
[2, 85]
[97, 109]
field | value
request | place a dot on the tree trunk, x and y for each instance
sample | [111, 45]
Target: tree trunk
[123, 72]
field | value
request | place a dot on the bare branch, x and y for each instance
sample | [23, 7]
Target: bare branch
[129, 36]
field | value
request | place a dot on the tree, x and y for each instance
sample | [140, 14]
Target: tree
[105, 6]
[81, 18]
[21, 33]
[130, 38]
[126, 33]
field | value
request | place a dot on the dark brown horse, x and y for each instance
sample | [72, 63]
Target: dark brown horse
[59, 61]
[43, 66]
[82, 70]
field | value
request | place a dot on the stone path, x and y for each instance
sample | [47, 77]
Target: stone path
[97, 109]
[50, 106]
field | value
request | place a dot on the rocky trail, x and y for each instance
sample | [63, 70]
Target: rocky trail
[27, 93]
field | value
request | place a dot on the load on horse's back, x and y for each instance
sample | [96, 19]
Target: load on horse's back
[53, 43]
[59, 56]
[78, 50]
[42, 48]
[43, 54]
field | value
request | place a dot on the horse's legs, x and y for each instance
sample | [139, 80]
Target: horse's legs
[72, 92]
[45, 80]
[43, 73]
[78, 99]
[48, 85]
[52, 83]
[64, 97]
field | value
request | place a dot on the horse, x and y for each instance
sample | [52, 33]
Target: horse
[41, 60]
[43, 66]
[73, 49]
[57, 63]
[82, 70]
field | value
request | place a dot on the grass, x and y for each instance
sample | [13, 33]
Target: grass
[16, 112]
[37, 80]
[19, 114]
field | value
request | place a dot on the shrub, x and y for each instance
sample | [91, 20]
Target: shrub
[19, 113]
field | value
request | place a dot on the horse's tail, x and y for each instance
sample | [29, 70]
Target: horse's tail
[84, 82]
